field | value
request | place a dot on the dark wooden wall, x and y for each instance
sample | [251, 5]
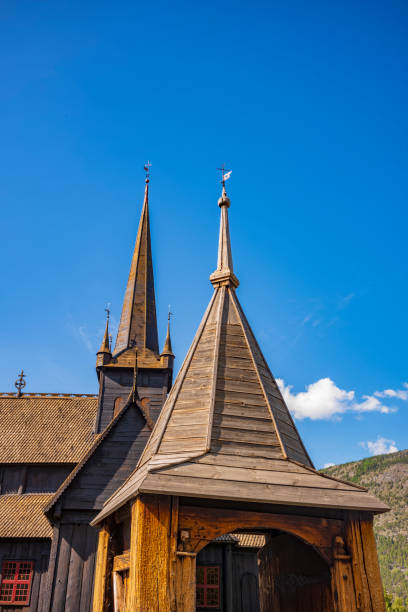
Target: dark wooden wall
[117, 383]
[28, 550]
[33, 478]
[74, 549]
[112, 462]
[75, 544]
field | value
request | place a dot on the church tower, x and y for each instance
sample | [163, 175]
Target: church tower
[137, 343]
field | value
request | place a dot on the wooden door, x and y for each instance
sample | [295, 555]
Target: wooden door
[293, 577]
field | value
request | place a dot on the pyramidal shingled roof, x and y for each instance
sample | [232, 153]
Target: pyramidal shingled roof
[225, 431]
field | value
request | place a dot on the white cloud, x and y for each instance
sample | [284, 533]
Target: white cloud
[328, 465]
[401, 394]
[381, 446]
[325, 400]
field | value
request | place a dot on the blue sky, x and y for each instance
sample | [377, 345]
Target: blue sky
[306, 103]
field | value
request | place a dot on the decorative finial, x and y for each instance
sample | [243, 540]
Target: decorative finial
[167, 349]
[224, 175]
[224, 199]
[224, 274]
[104, 353]
[147, 170]
[20, 383]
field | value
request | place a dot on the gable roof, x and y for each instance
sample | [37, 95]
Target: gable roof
[39, 428]
[92, 449]
[22, 516]
[225, 431]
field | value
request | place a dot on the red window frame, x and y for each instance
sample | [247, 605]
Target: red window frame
[16, 580]
[208, 587]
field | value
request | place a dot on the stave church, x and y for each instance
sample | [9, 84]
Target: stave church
[197, 494]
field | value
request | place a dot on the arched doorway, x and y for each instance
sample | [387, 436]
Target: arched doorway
[274, 571]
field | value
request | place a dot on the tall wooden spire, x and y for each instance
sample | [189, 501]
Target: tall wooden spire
[225, 431]
[138, 324]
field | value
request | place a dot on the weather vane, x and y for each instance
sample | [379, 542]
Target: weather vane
[169, 314]
[147, 170]
[107, 310]
[225, 175]
[20, 383]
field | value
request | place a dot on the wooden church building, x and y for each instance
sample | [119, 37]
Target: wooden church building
[159, 497]
[225, 457]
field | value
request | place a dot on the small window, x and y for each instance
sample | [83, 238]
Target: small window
[208, 586]
[16, 578]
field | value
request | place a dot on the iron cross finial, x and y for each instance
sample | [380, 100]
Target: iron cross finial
[20, 383]
[147, 170]
[224, 175]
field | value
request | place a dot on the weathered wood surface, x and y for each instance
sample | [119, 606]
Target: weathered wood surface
[293, 577]
[206, 524]
[240, 474]
[101, 569]
[150, 554]
[112, 462]
[218, 488]
[343, 588]
[117, 384]
[366, 573]
[185, 582]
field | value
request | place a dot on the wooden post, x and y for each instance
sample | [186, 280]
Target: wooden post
[343, 590]
[150, 554]
[186, 582]
[366, 572]
[101, 570]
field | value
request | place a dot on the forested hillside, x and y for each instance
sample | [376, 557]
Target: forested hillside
[387, 477]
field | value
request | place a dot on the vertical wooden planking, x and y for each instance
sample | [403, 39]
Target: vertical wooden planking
[88, 569]
[60, 582]
[72, 601]
[101, 569]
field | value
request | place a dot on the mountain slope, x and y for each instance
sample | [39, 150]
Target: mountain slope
[387, 477]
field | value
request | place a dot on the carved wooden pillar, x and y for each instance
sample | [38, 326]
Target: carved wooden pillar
[150, 554]
[101, 570]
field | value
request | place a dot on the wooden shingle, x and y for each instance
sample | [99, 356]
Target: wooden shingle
[22, 516]
[41, 429]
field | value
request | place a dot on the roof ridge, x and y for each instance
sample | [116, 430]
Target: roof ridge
[47, 395]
